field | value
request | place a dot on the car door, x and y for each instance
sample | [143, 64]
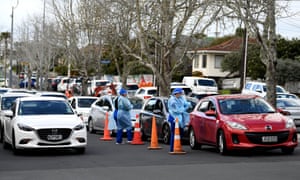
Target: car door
[104, 108]
[210, 121]
[146, 116]
[96, 112]
[9, 123]
[198, 121]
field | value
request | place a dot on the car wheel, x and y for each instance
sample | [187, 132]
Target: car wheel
[143, 135]
[1, 134]
[91, 126]
[5, 145]
[80, 150]
[286, 150]
[193, 142]
[222, 147]
[166, 134]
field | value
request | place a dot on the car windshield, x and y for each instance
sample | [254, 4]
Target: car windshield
[42, 107]
[7, 102]
[152, 92]
[283, 103]
[206, 82]
[245, 106]
[85, 103]
[137, 103]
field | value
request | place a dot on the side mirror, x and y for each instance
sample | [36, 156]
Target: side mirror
[8, 113]
[105, 108]
[283, 112]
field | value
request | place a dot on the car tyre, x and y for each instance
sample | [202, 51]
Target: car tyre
[91, 126]
[222, 147]
[193, 142]
[286, 150]
[5, 145]
[1, 134]
[143, 135]
[166, 134]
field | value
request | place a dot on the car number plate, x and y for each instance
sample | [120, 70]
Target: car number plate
[269, 139]
[54, 137]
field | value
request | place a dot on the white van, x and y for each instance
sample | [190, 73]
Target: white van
[259, 88]
[200, 84]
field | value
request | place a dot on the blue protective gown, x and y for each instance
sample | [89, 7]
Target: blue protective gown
[177, 109]
[124, 118]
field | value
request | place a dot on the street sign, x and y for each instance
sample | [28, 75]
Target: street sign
[104, 61]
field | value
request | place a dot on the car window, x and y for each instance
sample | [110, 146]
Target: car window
[136, 103]
[150, 105]
[248, 86]
[141, 91]
[203, 106]
[7, 102]
[39, 107]
[99, 103]
[85, 103]
[152, 92]
[107, 103]
[73, 103]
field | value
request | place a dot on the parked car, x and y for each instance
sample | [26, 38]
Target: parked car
[236, 122]
[146, 92]
[6, 101]
[96, 83]
[82, 105]
[63, 85]
[259, 88]
[158, 107]
[200, 84]
[291, 108]
[3, 90]
[96, 120]
[43, 123]
[287, 95]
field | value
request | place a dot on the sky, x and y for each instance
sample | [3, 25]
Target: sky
[286, 27]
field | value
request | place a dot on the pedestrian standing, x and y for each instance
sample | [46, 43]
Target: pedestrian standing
[123, 117]
[177, 106]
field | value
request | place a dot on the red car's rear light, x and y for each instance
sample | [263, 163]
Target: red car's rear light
[147, 97]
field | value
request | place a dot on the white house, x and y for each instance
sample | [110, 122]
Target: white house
[208, 60]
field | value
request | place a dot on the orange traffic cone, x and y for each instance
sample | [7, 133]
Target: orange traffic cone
[106, 134]
[177, 143]
[137, 138]
[154, 139]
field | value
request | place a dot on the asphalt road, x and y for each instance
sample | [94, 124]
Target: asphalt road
[104, 160]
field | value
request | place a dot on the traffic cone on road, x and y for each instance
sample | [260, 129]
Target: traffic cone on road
[106, 133]
[137, 138]
[154, 139]
[177, 143]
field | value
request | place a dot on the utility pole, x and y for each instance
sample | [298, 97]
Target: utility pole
[11, 43]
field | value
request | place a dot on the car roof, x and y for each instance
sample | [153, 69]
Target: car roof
[15, 94]
[234, 96]
[42, 98]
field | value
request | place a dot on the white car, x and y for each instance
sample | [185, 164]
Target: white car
[43, 123]
[82, 105]
[6, 100]
[63, 85]
[259, 88]
[105, 104]
[146, 92]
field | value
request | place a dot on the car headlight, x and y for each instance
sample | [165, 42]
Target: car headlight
[25, 127]
[290, 123]
[78, 127]
[236, 125]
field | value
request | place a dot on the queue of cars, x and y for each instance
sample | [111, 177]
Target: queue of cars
[228, 122]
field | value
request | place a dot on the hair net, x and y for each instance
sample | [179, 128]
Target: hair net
[123, 91]
[177, 91]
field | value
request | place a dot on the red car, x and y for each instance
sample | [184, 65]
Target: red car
[235, 122]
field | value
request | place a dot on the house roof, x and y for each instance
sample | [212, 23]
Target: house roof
[234, 44]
